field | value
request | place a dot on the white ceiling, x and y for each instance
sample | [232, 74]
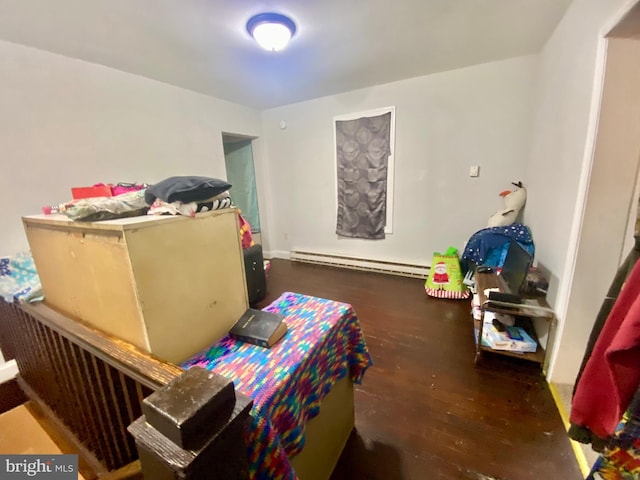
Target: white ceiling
[340, 45]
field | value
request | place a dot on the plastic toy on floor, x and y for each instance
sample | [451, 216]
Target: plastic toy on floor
[514, 201]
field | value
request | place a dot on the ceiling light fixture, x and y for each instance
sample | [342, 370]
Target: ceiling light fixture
[272, 31]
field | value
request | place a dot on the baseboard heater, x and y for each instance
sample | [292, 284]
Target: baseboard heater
[367, 264]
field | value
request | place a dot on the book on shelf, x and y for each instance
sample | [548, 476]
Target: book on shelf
[259, 328]
[513, 339]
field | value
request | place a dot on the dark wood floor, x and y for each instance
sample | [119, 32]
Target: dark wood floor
[424, 410]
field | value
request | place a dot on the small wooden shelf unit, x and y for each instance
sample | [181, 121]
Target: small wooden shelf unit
[524, 314]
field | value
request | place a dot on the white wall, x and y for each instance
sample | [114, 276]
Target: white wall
[65, 122]
[559, 167]
[8, 369]
[609, 199]
[444, 123]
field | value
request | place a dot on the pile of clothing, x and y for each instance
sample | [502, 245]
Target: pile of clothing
[19, 279]
[605, 409]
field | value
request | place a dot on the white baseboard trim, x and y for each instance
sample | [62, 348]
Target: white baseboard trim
[8, 370]
[277, 254]
[366, 264]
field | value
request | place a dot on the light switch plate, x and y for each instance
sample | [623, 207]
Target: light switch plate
[474, 171]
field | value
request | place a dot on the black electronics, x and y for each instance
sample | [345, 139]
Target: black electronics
[501, 327]
[516, 265]
[504, 297]
[254, 273]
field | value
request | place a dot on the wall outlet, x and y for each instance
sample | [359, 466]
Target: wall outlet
[474, 171]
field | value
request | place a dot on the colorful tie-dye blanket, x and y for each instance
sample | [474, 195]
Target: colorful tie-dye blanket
[19, 279]
[287, 382]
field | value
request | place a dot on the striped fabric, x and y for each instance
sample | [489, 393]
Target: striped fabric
[324, 342]
[441, 293]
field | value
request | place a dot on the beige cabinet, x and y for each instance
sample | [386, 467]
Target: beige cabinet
[170, 285]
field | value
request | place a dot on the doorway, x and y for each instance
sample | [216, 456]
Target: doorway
[238, 159]
[610, 207]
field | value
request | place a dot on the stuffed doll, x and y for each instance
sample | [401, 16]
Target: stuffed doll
[514, 201]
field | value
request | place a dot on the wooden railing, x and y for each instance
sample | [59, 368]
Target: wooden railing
[95, 389]
[89, 384]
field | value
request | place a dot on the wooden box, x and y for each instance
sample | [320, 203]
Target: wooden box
[170, 285]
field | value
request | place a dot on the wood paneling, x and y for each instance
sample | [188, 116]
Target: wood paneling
[424, 410]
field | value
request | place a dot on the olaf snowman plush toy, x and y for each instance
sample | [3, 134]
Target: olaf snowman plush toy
[514, 201]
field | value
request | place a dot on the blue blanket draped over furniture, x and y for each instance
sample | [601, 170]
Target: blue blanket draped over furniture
[489, 246]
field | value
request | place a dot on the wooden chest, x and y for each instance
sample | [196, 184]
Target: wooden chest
[170, 285]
